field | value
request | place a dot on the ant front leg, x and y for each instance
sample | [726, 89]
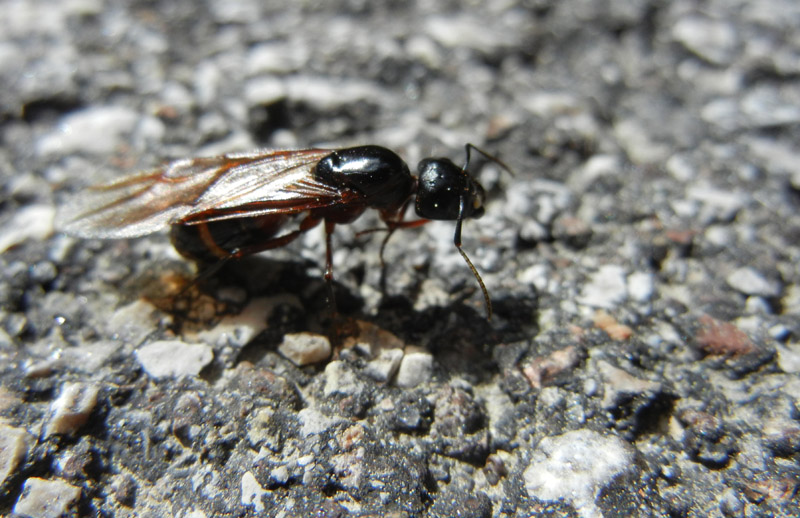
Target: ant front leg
[329, 226]
[457, 242]
[391, 226]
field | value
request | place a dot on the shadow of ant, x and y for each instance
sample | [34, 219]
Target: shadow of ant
[458, 333]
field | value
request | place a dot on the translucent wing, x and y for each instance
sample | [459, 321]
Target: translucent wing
[202, 189]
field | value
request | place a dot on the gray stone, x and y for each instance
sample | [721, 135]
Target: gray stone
[620, 385]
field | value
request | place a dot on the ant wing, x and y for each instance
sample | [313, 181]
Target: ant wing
[202, 189]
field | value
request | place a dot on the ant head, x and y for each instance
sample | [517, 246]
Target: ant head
[447, 192]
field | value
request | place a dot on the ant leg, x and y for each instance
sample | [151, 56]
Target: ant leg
[207, 271]
[275, 242]
[210, 270]
[329, 226]
[457, 242]
[391, 227]
[308, 223]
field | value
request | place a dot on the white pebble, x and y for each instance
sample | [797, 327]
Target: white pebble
[174, 358]
[415, 368]
[35, 222]
[751, 282]
[133, 322]
[640, 286]
[305, 348]
[46, 498]
[575, 467]
[72, 408]
[606, 289]
[97, 130]
[789, 358]
[14, 446]
[252, 492]
[385, 365]
[314, 422]
[238, 330]
[340, 379]
[713, 40]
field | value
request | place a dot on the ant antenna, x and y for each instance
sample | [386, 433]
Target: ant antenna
[493, 158]
[457, 242]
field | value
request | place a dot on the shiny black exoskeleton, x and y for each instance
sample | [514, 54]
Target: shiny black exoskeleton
[225, 207]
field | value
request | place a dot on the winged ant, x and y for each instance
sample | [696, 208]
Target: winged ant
[230, 206]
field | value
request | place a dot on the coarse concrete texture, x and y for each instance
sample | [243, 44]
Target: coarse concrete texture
[642, 260]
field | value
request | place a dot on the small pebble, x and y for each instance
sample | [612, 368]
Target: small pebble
[14, 445]
[385, 365]
[72, 408]
[751, 282]
[280, 474]
[680, 168]
[718, 205]
[43, 272]
[34, 222]
[252, 492]
[315, 422]
[124, 489]
[730, 504]
[713, 40]
[607, 288]
[133, 322]
[614, 329]
[779, 332]
[96, 130]
[46, 498]
[174, 358]
[415, 368]
[575, 467]
[305, 348]
[238, 330]
[641, 286]
[620, 386]
[789, 358]
[766, 106]
[340, 379]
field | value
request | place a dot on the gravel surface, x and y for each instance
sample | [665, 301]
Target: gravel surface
[643, 356]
